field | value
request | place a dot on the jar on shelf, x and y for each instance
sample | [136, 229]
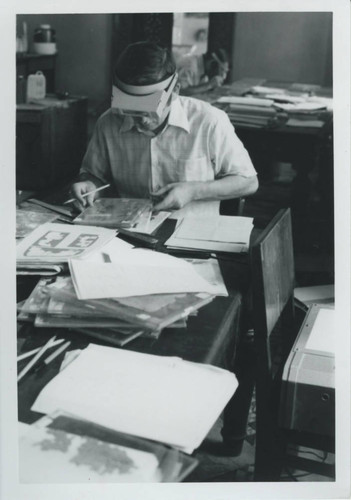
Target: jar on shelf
[44, 40]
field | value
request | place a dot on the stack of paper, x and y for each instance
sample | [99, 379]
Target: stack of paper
[53, 244]
[165, 399]
[94, 453]
[249, 111]
[54, 303]
[216, 234]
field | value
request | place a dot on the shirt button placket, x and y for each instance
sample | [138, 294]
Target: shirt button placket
[154, 164]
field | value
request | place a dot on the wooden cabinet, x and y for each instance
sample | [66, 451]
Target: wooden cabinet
[51, 138]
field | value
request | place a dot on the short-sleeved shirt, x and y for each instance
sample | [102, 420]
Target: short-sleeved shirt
[191, 70]
[197, 144]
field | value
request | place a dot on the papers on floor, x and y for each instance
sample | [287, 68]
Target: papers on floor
[56, 243]
[128, 279]
[217, 234]
[165, 399]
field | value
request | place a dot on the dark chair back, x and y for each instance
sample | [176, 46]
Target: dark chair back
[272, 264]
[276, 327]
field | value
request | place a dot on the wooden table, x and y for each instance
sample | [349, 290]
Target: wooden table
[309, 150]
[210, 337]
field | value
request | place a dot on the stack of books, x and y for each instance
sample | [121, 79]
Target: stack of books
[54, 303]
[248, 111]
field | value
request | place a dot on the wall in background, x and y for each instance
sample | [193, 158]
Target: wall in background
[290, 46]
[84, 46]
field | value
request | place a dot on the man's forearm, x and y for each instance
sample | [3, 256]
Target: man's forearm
[231, 186]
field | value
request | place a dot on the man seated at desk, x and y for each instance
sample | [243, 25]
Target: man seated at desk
[154, 142]
[202, 72]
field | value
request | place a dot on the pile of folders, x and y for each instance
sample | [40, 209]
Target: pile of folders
[54, 303]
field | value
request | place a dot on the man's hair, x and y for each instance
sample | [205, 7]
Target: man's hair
[144, 63]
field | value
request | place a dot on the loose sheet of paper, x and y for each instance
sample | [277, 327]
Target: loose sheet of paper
[222, 229]
[156, 397]
[53, 242]
[114, 250]
[250, 101]
[209, 269]
[122, 280]
[197, 209]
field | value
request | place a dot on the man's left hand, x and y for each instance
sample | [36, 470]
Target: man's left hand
[174, 196]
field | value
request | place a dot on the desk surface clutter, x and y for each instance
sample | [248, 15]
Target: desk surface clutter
[254, 103]
[146, 411]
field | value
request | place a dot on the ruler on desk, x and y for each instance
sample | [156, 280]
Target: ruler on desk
[53, 208]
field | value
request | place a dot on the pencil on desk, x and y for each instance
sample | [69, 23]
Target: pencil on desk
[56, 353]
[34, 351]
[71, 200]
[35, 359]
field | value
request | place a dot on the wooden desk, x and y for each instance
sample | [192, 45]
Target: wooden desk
[309, 150]
[210, 337]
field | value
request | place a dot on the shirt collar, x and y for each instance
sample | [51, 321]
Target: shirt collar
[126, 124]
[177, 118]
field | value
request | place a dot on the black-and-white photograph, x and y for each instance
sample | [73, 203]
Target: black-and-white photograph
[180, 307]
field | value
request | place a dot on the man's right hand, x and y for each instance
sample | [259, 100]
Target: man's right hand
[79, 189]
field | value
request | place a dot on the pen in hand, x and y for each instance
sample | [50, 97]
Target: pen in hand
[71, 200]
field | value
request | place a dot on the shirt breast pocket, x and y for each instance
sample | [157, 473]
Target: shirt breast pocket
[194, 169]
